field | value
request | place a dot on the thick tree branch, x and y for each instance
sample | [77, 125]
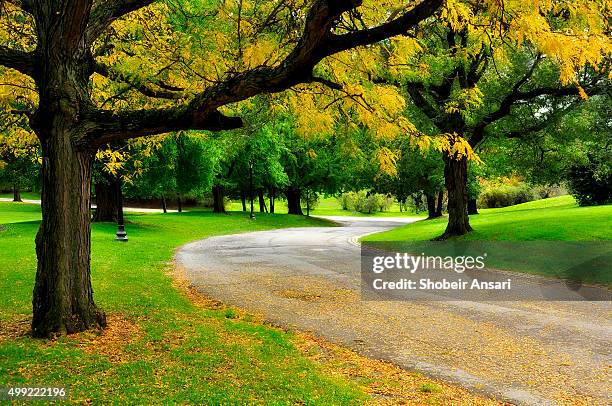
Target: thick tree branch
[398, 26]
[125, 125]
[18, 60]
[415, 90]
[317, 42]
[516, 96]
[104, 12]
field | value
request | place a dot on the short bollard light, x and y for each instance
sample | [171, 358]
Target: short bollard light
[121, 234]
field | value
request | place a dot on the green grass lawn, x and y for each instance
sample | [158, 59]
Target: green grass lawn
[554, 219]
[159, 347]
[18, 212]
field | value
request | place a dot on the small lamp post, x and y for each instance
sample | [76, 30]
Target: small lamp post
[251, 188]
[121, 234]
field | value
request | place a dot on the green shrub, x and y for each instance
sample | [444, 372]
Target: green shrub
[361, 201]
[364, 203]
[506, 195]
[348, 200]
[373, 202]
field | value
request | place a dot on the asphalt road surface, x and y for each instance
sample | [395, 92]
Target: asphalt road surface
[308, 279]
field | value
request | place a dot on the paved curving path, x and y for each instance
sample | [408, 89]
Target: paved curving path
[308, 279]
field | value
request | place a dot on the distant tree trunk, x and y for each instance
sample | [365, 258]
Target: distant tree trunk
[106, 200]
[455, 177]
[243, 200]
[293, 201]
[440, 203]
[272, 195]
[262, 201]
[179, 202]
[307, 203]
[431, 206]
[164, 203]
[16, 193]
[218, 199]
[472, 206]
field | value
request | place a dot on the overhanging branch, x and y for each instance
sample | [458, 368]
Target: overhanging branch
[113, 126]
[316, 43]
[19, 60]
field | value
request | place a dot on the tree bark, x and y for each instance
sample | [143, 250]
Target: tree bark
[106, 200]
[455, 178]
[472, 206]
[293, 201]
[218, 197]
[16, 193]
[179, 202]
[262, 201]
[63, 296]
[243, 200]
[431, 206]
[440, 203]
[164, 204]
[272, 195]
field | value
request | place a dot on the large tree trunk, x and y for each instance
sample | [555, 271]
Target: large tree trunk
[431, 206]
[63, 296]
[455, 177]
[106, 200]
[16, 193]
[218, 197]
[472, 206]
[293, 201]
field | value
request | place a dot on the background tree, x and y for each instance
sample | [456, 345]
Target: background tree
[419, 174]
[19, 158]
[476, 65]
[157, 178]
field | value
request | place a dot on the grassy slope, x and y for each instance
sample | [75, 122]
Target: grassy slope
[160, 346]
[555, 219]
